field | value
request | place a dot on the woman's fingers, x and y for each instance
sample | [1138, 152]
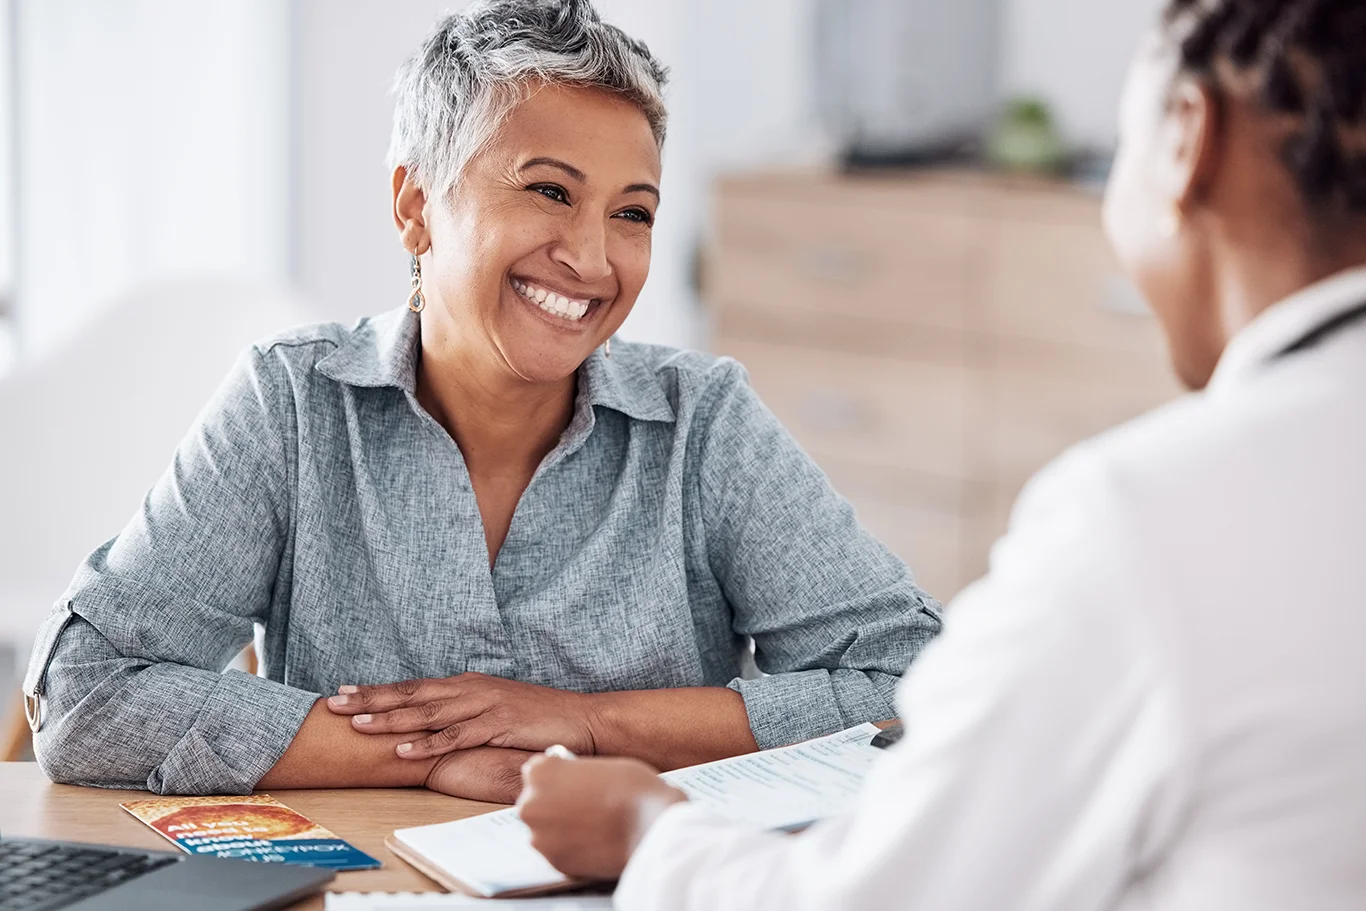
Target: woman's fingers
[460, 736]
[468, 711]
[429, 716]
[362, 700]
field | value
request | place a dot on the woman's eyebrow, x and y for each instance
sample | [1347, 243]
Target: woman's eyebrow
[643, 188]
[556, 163]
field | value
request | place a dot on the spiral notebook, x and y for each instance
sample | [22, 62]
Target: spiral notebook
[788, 788]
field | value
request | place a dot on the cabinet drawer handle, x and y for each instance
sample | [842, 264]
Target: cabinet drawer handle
[831, 263]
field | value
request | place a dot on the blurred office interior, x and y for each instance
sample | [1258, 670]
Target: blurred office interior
[888, 210]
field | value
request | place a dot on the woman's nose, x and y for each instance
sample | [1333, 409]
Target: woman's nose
[584, 250]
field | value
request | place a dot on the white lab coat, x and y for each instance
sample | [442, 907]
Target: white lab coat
[1157, 697]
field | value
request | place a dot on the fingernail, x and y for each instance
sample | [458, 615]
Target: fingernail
[364, 719]
[405, 747]
[339, 700]
[348, 689]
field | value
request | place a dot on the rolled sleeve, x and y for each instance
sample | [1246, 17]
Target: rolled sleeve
[786, 708]
[244, 726]
[129, 669]
[834, 616]
[120, 722]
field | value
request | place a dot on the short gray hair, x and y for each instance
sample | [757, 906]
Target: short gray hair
[454, 93]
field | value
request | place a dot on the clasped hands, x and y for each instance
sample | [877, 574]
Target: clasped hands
[468, 711]
[586, 816]
[472, 730]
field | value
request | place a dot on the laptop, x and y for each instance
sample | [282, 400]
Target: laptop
[40, 875]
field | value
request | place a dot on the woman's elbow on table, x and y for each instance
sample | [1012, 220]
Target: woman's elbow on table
[78, 748]
[105, 719]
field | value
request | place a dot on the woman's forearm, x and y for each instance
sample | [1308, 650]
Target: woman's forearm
[328, 753]
[668, 728]
[672, 728]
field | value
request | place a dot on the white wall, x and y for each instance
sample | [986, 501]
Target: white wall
[152, 147]
[8, 338]
[752, 66]
[755, 67]
[6, 157]
[346, 254]
[1075, 53]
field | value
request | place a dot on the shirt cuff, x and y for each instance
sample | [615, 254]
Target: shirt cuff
[789, 708]
[243, 728]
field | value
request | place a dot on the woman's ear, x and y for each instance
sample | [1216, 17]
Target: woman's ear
[410, 203]
[1193, 150]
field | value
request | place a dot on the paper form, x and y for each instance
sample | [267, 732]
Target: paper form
[785, 788]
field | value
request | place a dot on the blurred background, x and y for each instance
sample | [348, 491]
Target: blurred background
[887, 209]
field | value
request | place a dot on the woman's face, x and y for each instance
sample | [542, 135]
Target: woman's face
[540, 252]
[1148, 215]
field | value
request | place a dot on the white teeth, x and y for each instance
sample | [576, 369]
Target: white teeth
[549, 301]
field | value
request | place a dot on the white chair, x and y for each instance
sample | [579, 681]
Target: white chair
[86, 429]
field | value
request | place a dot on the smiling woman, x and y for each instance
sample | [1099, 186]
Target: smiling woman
[479, 528]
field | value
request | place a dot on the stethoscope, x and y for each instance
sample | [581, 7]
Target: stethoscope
[1335, 325]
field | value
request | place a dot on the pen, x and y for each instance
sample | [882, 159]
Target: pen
[560, 752]
[888, 736]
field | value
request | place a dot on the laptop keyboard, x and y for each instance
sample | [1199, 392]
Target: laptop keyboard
[41, 877]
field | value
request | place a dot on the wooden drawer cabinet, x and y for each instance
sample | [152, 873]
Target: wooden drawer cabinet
[931, 340]
[1041, 402]
[1057, 282]
[830, 260]
[872, 411]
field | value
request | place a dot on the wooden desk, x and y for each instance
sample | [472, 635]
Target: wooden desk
[30, 805]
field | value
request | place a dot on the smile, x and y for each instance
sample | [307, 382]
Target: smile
[552, 303]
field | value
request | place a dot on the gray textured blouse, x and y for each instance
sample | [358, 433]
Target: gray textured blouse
[675, 522]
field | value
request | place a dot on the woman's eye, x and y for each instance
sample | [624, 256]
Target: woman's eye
[550, 191]
[640, 216]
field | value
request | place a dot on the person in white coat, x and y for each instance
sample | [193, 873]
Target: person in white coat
[1157, 696]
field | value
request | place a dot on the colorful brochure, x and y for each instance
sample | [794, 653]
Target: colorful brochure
[247, 828]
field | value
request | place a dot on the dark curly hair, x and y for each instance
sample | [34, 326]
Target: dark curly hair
[1301, 59]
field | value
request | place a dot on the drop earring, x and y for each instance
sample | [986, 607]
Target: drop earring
[607, 347]
[417, 301]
